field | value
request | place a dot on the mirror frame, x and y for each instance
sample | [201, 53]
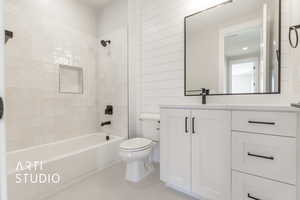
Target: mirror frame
[279, 56]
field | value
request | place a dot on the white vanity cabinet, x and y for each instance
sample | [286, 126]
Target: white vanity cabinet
[195, 152]
[176, 152]
[231, 152]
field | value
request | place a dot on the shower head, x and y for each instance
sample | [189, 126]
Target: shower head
[105, 42]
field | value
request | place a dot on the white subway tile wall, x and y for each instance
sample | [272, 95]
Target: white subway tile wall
[112, 66]
[47, 34]
[112, 87]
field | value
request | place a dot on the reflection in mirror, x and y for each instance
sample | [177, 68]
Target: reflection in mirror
[234, 48]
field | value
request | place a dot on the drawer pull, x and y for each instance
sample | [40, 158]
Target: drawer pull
[251, 197]
[260, 156]
[263, 123]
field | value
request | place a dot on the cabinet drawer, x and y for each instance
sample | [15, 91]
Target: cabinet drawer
[247, 187]
[273, 123]
[272, 157]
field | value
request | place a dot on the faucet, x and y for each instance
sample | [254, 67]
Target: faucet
[204, 93]
[106, 123]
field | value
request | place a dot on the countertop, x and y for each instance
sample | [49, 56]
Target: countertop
[236, 107]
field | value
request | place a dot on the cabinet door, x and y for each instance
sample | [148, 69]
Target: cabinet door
[211, 154]
[175, 149]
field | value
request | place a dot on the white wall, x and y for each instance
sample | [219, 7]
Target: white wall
[47, 34]
[112, 67]
[161, 54]
[3, 133]
[112, 83]
[63, 32]
[112, 16]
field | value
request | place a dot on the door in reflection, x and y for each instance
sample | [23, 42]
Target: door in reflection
[243, 76]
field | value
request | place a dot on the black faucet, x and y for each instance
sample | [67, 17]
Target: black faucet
[106, 123]
[204, 93]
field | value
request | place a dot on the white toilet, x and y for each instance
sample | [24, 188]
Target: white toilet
[137, 152]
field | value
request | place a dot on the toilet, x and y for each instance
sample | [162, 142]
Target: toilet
[137, 155]
[137, 152]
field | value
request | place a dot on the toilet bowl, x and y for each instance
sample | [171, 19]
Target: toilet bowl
[137, 155]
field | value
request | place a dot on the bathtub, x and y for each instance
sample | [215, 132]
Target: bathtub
[38, 172]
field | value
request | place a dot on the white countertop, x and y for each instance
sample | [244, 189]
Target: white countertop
[249, 107]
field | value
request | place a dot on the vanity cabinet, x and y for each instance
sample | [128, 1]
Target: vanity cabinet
[264, 155]
[250, 187]
[231, 152]
[195, 152]
[176, 152]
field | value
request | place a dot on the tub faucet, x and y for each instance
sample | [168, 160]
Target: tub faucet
[106, 123]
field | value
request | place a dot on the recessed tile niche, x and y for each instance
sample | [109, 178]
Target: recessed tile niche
[70, 79]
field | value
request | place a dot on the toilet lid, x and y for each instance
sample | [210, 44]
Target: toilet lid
[136, 143]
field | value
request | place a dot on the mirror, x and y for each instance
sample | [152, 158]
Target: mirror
[234, 48]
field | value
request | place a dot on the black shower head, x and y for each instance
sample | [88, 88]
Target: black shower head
[105, 42]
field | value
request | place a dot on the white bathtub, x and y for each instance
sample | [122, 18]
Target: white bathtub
[65, 161]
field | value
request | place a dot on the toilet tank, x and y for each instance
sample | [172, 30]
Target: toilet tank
[150, 126]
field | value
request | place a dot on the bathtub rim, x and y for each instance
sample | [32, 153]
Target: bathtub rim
[55, 158]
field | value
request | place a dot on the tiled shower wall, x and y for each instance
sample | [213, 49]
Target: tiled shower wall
[158, 59]
[112, 70]
[48, 33]
[112, 87]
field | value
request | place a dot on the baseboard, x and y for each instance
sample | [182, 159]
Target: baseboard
[184, 191]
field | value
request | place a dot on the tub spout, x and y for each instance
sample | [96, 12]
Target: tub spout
[106, 123]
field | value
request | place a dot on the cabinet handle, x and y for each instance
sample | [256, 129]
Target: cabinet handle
[260, 156]
[258, 122]
[193, 125]
[186, 125]
[1, 108]
[252, 197]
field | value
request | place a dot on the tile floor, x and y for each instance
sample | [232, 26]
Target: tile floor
[109, 184]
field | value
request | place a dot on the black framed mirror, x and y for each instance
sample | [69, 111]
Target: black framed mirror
[234, 49]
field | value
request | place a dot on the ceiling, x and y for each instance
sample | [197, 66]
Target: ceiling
[95, 3]
[249, 38]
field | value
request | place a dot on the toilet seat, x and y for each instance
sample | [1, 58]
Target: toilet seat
[136, 144]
